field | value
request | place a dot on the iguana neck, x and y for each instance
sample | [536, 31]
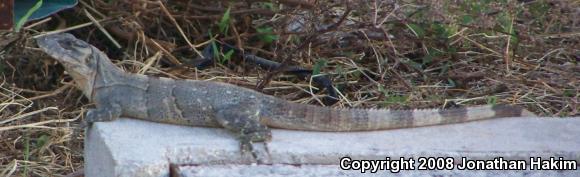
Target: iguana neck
[106, 74]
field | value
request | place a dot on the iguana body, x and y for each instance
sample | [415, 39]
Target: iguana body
[213, 104]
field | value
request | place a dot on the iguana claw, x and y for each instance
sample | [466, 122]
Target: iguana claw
[261, 157]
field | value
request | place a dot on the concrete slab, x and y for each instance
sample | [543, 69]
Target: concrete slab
[331, 170]
[128, 147]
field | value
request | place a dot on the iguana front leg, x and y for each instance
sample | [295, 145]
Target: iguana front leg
[106, 112]
[103, 113]
[244, 121]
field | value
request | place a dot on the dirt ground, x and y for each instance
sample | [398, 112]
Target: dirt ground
[366, 54]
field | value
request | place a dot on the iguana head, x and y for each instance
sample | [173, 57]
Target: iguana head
[75, 55]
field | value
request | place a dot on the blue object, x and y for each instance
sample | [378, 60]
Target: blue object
[48, 7]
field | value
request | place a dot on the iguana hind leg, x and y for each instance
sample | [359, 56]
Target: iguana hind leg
[244, 122]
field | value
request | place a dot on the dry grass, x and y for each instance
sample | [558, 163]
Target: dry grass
[391, 54]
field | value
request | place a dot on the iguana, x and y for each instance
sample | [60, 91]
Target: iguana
[245, 112]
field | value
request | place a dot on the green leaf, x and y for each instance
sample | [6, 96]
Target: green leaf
[444, 68]
[227, 56]
[433, 53]
[491, 100]
[466, 19]
[396, 100]
[225, 22]
[215, 51]
[214, 48]
[418, 30]
[440, 30]
[381, 89]
[539, 9]
[41, 141]
[415, 65]
[507, 26]
[268, 5]
[320, 63]
[2, 69]
[356, 74]
[341, 72]
[26, 152]
[452, 83]
[24, 18]
[568, 93]
[266, 34]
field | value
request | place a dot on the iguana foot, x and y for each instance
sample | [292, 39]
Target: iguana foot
[259, 152]
[252, 136]
[102, 114]
[243, 120]
[256, 144]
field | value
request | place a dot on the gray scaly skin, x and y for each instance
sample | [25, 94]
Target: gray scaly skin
[245, 112]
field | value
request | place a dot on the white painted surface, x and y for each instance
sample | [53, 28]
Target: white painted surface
[128, 147]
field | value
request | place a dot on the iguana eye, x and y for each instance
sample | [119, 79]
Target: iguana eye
[73, 45]
[78, 43]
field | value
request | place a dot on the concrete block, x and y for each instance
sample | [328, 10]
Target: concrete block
[129, 147]
[331, 170]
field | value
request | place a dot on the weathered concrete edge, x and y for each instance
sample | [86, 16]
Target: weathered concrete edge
[225, 149]
[333, 170]
[102, 159]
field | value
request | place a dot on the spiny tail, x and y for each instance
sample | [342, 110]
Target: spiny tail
[315, 118]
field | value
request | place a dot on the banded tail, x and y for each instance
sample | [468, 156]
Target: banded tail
[315, 118]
